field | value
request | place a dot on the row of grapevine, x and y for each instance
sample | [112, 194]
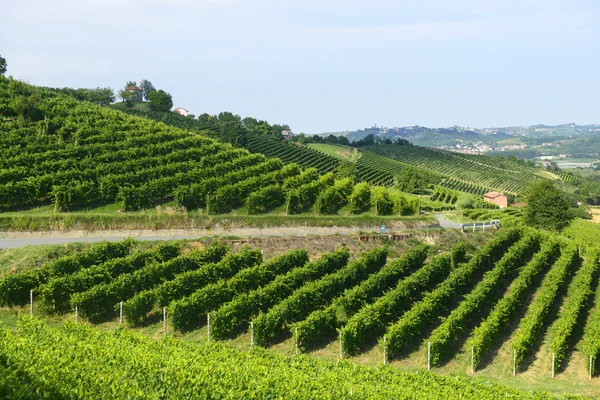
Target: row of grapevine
[79, 362]
[579, 292]
[531, 325]
[591, 337]
[371, 320]
[186, 311]
[485, 292]
[14, 289]
[237, 313]
[291, 153]
[97, 303]
[315, 295]
[323, 323]
[427, 311]
[56, 294]
[496, 322]
[139, 306]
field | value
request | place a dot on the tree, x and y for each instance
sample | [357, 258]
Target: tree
[147, 88]
[547, 207]
[160, 101]
[2, 65]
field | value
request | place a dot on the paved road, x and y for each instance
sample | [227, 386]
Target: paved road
[21, 239]
[444, 223]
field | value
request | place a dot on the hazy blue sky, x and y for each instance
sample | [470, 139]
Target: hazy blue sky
[325, 65]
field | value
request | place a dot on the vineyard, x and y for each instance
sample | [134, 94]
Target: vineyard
[75, 155]
[423, 304]
[467, 173]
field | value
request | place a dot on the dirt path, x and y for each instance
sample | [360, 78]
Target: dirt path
[20, 239]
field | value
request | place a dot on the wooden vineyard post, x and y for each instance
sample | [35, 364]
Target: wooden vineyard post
[552, 364]
[31, 302]
[341, 349]
[472, 360]
[121, 313]
[591, 366]
[384, 350]
[296, 341]
[514, 362]
[251, 333]
[428, 356]
[208, 327]
[164, 320]
[76, 315]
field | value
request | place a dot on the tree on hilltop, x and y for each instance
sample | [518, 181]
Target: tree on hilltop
[147, 88]
[547, 206]
[2, 65]
[160, 100]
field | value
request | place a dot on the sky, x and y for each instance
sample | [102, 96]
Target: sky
[324, 65]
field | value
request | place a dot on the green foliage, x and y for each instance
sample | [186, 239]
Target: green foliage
[426, 312]
[147, 88]
[56, 294]
[137, 308]
[370, 321]
[335, 197]
[382, 201]
[547, 207]
[323, 323]
[486, 291]
[265, 199]
[591, 337]
[239, 311]
[3, 65]
[316, 294]
[14, 289]
[360, 199]
[495, 324]
[577, 299]
[79, 362]
[160, 100]
[346, 169]
[185, 312]
[304, 197]
[98, 303]
[533, 322]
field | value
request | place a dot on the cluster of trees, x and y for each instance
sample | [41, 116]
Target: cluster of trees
[159, 100]
[343, 140]
[2, 65]
[99, 96]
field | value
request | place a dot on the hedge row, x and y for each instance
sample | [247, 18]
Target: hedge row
[137, 308]
[238, 312]
[531, 325]
[98, 303]
[371, 320]
[492, 327]
[14, 289]
[316, 294]
[486, 291]
[56, 294]
[579, 293]
[185, 312]
[323, 323]
[427, 311]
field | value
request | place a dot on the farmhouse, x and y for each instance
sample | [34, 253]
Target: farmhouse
[181, 111]
[136, 93]
[496, 198]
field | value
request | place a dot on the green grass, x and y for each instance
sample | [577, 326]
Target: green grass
[13, 260]
[337, 151]
[166, 216]
[137, 105]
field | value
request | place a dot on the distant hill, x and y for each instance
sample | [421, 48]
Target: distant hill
[565, 138]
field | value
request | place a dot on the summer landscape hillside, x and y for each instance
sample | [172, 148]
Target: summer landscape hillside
[501, 303]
